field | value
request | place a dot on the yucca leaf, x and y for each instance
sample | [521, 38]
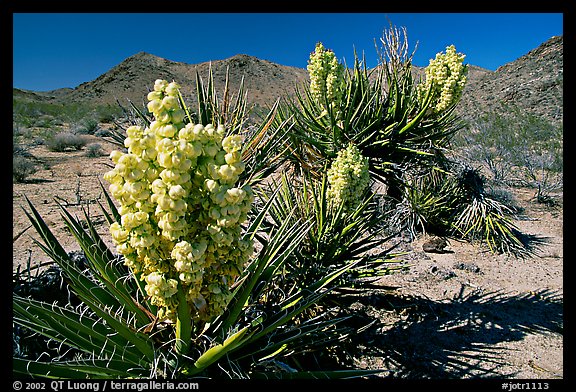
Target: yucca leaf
[82, 285]
[78, 369]
[145, 119]
[316, 375]
[75, 329]
[101, 259]
[216, 352]
[299, 303]
[284, 339]
[111, 206]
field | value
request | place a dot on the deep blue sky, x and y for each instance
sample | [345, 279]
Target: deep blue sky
[54, 50]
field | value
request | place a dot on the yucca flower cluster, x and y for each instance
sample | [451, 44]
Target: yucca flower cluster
[348, 178]
[446, 76]
[181, 212]
[326, 75]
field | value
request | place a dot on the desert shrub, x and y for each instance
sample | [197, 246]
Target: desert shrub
[94, 150]
[65, 141]
[22, 168]
[87, 126]
[107, 113]
[45, 121]
[515, 147]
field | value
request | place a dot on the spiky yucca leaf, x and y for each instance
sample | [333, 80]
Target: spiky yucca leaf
[489, 221]
[336, 238]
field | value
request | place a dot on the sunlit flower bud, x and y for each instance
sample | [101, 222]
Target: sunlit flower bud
[160, 85]
[232, 157]
[118, 233]
[170, 102]
[226, 172]
[115, 155]
[232, 143]
[164, 159]
[177, 192]
[154, 106]
[172, 89]
[169, 175]
[163, 202]
[167, 131]
[211, 185]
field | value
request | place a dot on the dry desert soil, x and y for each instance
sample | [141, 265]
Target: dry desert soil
[465, 313]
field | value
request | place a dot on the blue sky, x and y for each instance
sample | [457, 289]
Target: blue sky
[55, 50]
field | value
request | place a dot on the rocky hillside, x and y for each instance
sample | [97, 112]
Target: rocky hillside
[533, 83]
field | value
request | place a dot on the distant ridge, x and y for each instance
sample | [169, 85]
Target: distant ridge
[134, 77]
[533, 82]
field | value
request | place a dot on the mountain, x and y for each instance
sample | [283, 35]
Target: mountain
[134, 77]
[533, 82]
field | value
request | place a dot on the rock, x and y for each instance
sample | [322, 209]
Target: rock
[435, 245]
[471, 267]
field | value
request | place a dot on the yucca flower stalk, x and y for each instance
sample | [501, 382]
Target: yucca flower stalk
[326, 76]
[348, 178]
[445, 79]
[181, 211]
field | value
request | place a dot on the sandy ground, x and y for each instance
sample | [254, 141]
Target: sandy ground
[469, 313]
[463, 314]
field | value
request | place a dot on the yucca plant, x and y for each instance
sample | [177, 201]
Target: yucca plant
[382, 111]
[483, 218]
[454, 203]
[428, 203]
[184, 296]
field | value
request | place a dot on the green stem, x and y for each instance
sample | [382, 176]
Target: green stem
[183, 324]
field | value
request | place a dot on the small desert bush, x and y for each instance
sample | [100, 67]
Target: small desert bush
[22, 168]
[94, 150]
[87, 126]
[65, 141]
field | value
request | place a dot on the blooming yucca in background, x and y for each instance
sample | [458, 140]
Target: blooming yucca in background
[445, 79]
[326, 76]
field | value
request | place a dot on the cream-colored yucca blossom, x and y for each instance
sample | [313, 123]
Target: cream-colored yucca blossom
[181, 211]
[348, 178]
[446, 76]
[326, 75]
